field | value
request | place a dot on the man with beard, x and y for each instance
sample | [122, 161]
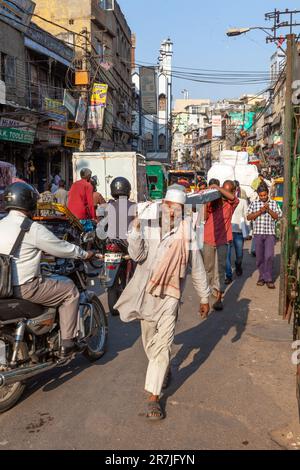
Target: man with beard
[162, 254]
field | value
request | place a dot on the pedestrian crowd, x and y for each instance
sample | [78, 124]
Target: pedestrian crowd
[164, 251]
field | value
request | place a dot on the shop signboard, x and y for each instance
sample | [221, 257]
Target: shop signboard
[56, 111]
[70, 103]
[99, 94]
[72, 137]
[148, 90]
[81, 112]
[47, 135]
[217, 126]
[16, 131]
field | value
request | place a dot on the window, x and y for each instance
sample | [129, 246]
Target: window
[107, 4]
[153, 179]
[162, 142]
[194, 110]
[148, 142]
[8, 69]
[100, 50]
[162, 102]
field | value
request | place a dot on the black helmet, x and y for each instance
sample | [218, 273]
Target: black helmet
[20, 196]
[120, 187]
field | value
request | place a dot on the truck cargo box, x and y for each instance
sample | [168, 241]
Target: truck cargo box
[109, 165]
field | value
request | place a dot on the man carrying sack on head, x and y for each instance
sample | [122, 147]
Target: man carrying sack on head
[162, 254]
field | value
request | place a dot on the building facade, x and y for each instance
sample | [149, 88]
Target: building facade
[107, 50]
[33, 122]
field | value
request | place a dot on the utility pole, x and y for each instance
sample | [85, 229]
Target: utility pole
[84, 94]
[288, 129]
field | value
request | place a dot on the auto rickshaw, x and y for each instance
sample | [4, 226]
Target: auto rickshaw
[157, 180]
[277, 196]
[278, 190]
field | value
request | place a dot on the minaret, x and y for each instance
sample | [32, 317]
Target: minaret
[165, 88]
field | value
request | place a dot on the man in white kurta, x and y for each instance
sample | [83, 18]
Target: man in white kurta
[148, 247]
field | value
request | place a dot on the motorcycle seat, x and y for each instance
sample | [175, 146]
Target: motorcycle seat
[19, 308]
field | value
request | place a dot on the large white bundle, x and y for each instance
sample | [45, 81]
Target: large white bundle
[221, 172]
[243, 158]
[229, 157]
[245, 174]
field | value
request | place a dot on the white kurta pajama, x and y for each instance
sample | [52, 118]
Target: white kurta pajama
[157, 314]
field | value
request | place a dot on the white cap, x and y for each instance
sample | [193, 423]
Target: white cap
[176, 193]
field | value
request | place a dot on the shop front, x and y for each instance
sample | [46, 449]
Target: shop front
[16, 141]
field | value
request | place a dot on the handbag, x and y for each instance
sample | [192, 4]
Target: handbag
[6, 285]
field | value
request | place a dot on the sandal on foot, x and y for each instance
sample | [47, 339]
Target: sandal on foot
[271, 285]
[260, 283]
[154, 412]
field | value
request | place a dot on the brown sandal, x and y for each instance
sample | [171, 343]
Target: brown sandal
[260, 283]
[154, 413]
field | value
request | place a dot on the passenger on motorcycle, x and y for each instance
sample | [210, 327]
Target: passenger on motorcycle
[118, 213]
[21, 202]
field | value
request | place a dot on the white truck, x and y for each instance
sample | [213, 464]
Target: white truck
[109, 165]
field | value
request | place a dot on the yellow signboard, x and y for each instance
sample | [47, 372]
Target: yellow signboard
[72, 137]
[99, 94]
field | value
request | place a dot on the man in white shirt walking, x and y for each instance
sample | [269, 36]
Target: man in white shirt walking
[240, 230]
[21, 201]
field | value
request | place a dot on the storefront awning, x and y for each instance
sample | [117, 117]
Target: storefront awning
[43, 50]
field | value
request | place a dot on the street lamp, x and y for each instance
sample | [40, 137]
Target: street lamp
[238, 31]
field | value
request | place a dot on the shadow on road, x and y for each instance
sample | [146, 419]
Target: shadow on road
[198, 343]
[121, 337]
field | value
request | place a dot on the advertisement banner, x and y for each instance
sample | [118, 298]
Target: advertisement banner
[16, 131]
[148, 90]
[217, 126]
[242, 120]
[99, 94]
[95, 117]
[70, 103]
[81, 112]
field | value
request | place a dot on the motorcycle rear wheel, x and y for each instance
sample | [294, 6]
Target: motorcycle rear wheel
[115, 292]
[10, 394]
[96, 342]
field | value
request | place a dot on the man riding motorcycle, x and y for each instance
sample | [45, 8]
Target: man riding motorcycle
[118, 214]
[20, 201]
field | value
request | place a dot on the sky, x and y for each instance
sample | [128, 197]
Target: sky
[197, 28]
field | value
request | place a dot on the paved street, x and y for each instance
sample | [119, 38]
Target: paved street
[234, 384]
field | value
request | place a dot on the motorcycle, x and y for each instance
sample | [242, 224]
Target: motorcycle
[117, 270]
[30, 334]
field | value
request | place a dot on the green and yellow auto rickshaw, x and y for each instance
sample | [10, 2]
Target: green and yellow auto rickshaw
[277, 196]
[157, 180]
[278, 190]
